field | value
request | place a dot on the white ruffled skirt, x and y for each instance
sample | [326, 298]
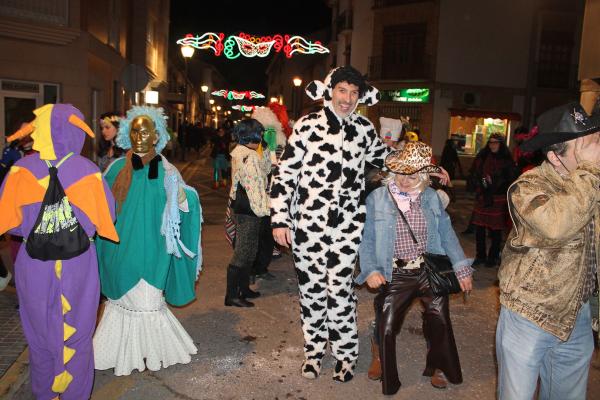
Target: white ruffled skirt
[138, 331]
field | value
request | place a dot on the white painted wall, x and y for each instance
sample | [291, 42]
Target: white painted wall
[362, 35]
[484, 42]
[441, 122]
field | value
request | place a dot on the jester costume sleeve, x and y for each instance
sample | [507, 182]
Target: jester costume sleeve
[58, 298]
[157, 261]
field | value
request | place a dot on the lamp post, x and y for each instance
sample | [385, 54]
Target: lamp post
[186, 52]
[204, 89]
[297, 81]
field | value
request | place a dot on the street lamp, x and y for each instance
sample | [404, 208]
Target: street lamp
[273, 99]
[204, 88]
[296, 100]
[211, 101]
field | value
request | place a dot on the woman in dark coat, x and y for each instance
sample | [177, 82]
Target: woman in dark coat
[493, 172]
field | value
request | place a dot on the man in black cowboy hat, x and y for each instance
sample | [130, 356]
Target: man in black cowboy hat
[549, 265]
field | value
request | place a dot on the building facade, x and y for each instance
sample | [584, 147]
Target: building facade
[463, 69]
[99, 55]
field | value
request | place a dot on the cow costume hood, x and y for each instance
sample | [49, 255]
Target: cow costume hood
[318, 90]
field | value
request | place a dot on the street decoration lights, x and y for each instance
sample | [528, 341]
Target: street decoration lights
[243, 109]
[238, 95]
[250, 46]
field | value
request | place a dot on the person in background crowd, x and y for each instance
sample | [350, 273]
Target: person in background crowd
[250, 167]
[450, 161]
[525, 160]
[10, 155]
[107, 150]
[392, 262]
[549, 272]
[220, 158]
[272, 119]
[493, 171]
[390, 134]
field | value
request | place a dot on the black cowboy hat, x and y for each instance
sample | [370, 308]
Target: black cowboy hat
[562, 124]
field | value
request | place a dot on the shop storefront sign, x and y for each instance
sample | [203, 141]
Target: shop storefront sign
[411, 95]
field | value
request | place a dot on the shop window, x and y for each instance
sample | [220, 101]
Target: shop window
[470, 134]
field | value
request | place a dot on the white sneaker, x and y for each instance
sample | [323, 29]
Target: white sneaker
[4, 281]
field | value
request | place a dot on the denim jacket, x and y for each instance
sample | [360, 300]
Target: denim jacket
[376, 251]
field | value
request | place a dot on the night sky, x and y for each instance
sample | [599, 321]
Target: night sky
[258, 17]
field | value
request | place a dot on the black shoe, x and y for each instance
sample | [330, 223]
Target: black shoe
[478, 262]
[237, 302]
[267, 276]
[252, 279]
[249, 294]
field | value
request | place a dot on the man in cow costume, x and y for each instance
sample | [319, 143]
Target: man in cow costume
[317, 206]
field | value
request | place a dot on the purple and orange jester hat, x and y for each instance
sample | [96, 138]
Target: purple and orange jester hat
[57, 130]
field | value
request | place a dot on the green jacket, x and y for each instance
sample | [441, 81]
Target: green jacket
[543, 263]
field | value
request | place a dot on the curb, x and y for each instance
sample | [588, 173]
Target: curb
[15, 376]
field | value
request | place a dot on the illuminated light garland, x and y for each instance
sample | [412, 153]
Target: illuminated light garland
[253, 46]
[302, 46]
[244, 108]
[235, 95]
[209, 40]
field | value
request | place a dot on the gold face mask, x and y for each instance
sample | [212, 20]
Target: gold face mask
[142, 134]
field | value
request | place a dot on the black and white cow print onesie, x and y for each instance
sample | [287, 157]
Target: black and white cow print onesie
[317, 193]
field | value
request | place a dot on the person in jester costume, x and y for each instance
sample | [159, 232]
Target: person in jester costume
[57, 200]
[158, 258]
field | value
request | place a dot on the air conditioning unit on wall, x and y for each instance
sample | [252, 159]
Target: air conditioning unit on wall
[471, 99]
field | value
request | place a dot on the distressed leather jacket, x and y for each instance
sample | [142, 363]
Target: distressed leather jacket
[543, 263]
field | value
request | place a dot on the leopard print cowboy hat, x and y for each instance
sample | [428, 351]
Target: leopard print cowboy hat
[414, 157]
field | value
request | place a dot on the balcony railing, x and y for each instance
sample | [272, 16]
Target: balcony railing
[380, 68]
[389, 3]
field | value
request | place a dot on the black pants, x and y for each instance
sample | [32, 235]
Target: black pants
[391, 305]
[480, 239]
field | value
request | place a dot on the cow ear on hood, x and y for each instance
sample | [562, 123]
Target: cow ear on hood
[370, 97]
[316, 90]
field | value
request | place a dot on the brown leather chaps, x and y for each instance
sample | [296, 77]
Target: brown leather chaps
[391, 305]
